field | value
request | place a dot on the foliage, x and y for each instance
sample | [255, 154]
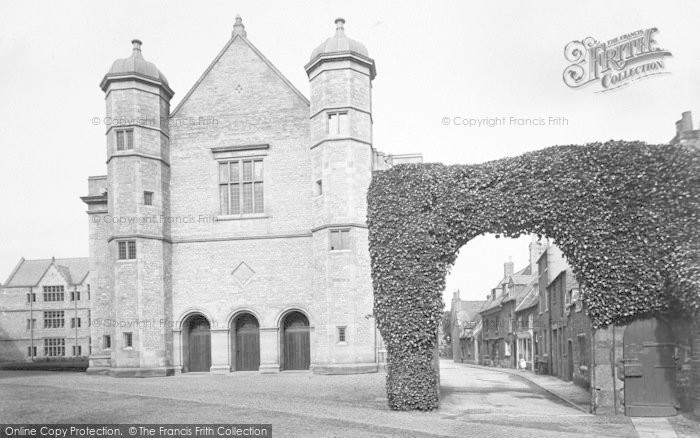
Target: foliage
[625, 214]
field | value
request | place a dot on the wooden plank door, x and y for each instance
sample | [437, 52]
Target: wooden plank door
[296, 348]
[247, 343]
[649, 369]
[199, 347]
[296, 342]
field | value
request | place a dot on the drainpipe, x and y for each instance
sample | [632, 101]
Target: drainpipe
[614, 377]
[75, 316]
[31, 322]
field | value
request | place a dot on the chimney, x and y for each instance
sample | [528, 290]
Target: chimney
[536, 250]
[686, 121]
[455, 295]
[508, 268]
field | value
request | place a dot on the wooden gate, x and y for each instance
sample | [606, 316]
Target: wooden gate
[649, 369]
[247, 343]
[296, 345]
[199, 344]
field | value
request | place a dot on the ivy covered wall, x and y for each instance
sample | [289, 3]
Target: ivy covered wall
[625, 214]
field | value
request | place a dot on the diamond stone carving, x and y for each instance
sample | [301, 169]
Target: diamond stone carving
[243, 273]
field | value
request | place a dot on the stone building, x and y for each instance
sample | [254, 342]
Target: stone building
[498, 314]
[525, 322]
[45, 310]
[230, 232]
[464, 318]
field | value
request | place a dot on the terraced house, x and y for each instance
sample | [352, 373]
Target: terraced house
[229, 233]
[45, 310]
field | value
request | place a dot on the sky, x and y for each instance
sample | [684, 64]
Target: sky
[435, 60]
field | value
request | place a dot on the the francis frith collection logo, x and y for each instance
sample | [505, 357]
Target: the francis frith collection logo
[616, 62]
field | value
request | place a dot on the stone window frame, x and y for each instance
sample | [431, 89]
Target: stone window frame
[54, 319]
[147, 197]
[126, 250]
[128, 340]
[342, 334]
[76, 322]
[54, 347]
[54, 293]
[107, 342]
[341, 122]
[124, 139]
[256, 181]
[341, 232]
[31, 351]
[79, 349]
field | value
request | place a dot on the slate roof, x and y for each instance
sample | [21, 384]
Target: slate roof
[29, 272]
[531, 298]
[519, 278]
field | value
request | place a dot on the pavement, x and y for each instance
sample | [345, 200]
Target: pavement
[576, 396]
[475, 402]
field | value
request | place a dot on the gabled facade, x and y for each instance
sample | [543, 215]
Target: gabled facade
[45, 310]
[231, 233]
[465, 317]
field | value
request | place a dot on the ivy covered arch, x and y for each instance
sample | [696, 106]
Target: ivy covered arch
[625, 214]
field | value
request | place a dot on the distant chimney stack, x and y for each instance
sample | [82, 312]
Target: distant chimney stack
[508, 268]
[687, 121]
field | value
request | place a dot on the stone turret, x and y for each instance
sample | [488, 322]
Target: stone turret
[340, 73]
[134, 271]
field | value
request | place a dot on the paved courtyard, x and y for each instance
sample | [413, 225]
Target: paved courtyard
[475, 402]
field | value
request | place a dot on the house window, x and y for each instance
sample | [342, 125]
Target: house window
[125, 139]
[341, 334]
[31, 351]
[75, 296]
[148, 198]
[88, 287]
[338, 124]
[128, 338]
[31, 297]
[530, 320]
[241, 187]
[77, 350]
[31, 323]
[54, 347]
[54, 319]
[319, 187]
[127, 250]
[53, 293]
[582, 350]
[107, 342]
[340, 240]
[75, 323]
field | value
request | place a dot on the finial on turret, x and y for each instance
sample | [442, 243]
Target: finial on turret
[239, 28]
[339, 26]
[137, 44]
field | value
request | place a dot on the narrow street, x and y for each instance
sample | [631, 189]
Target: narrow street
[475, 403]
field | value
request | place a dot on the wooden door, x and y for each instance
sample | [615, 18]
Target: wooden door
[297, 351]
[649, 369]
[247, 343]
[199, 345]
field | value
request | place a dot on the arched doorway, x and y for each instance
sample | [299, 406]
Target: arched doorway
[296, 345]
[246, 343]
[649, 369]
[196, 344]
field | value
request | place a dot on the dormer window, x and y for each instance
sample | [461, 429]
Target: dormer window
[125, 139]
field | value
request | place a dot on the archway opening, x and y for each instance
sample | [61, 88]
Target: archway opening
[623, 213]
[296, 343]
[196, 340]
[245, 343]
